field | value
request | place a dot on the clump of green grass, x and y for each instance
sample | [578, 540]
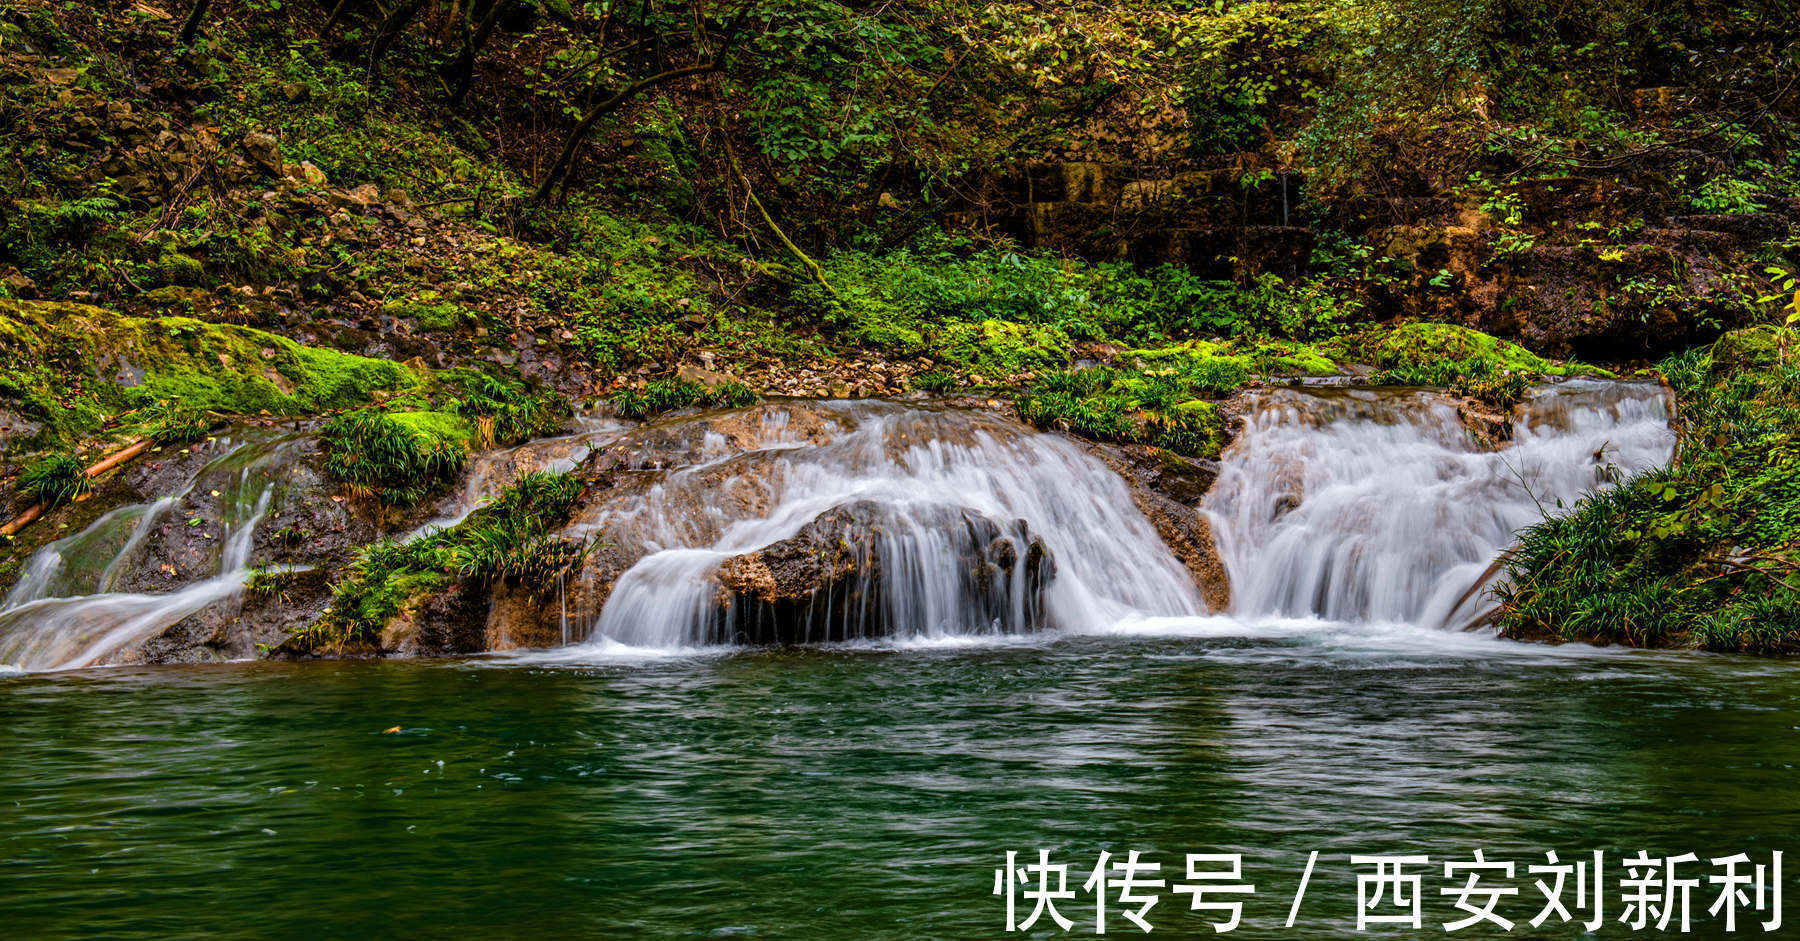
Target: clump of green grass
[511, 541]
[55, 480]
[396, 457]
[507, 412]
[172, 423]
[386, 577]
[936, 382]
[667, 395]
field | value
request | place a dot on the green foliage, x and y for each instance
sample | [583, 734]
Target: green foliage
[1157, 408]
[936, 382]
[510, 540]
[55, 480]
[1702, 552]
[396, 457]
[669, 394]
[266, 582]
[1465, 361]
[386, 578]
[504, 411]
[1727, 195]
[434, 314]
[1001, 314]
[172, 423]
[34, 232]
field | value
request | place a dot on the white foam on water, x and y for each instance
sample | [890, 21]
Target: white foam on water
[923, 469]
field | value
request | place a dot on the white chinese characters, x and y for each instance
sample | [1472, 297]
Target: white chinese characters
[1670, 893]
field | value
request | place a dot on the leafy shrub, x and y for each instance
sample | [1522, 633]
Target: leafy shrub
[1728, 196]
[510, 540]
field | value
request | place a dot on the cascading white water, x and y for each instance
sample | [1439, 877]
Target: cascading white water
[1377, 505]
[927, 472]
[65, 614]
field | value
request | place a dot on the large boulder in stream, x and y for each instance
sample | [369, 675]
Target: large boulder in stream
[863, 569]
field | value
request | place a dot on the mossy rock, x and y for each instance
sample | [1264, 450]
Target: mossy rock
[1439, 353]
[75, 367]
[1751, 348]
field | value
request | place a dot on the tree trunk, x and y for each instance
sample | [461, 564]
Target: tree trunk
[191, 26]
[390, 31]
[465, 64]
[337, 13]
[604, 108]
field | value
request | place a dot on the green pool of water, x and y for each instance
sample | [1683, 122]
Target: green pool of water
[863, 793]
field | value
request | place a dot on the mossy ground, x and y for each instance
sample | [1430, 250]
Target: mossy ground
[76, 370]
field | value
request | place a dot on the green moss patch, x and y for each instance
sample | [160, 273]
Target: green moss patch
[75, 368]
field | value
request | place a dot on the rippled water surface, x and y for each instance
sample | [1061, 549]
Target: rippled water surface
[859, 793]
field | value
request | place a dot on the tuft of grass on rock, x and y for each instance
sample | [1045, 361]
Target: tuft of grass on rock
[398, 457]
[55, 480]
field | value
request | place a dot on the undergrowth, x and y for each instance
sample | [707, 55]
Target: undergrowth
[511, 540]
[1702, 552]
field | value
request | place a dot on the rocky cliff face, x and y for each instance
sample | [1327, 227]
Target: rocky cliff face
[1607, 268]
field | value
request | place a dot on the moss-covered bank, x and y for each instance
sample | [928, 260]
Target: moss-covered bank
[71, 370]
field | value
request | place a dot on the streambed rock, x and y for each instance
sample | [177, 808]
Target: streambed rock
[1167, 488]
[857, 569]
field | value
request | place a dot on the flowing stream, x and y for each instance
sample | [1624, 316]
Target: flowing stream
[1342, 506]
[925, 473]
[65, 612]
[871, 790]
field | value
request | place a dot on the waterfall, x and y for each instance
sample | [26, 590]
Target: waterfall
[65, 611]
[1359, 505]
[939, 503]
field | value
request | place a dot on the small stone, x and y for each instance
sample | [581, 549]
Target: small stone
[263, 150]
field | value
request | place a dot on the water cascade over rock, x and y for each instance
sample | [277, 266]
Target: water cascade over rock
[1361, 505]
[88, 598]
[849, 520]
